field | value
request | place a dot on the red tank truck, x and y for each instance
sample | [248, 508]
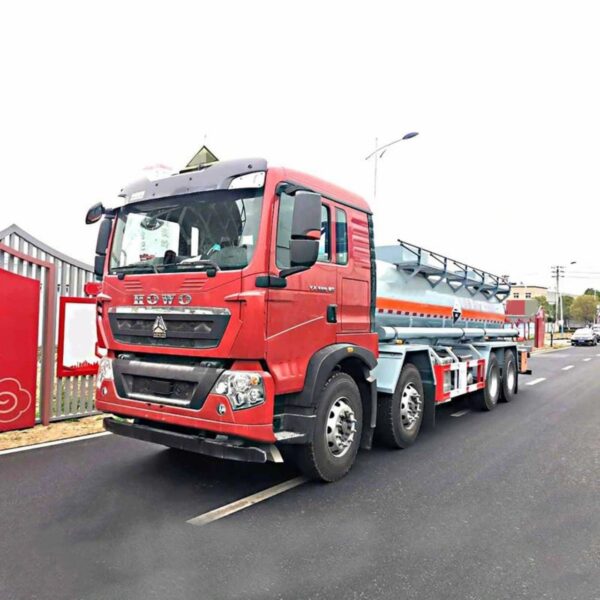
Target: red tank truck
[237, 317]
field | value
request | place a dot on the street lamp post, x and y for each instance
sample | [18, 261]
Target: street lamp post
[380, 151]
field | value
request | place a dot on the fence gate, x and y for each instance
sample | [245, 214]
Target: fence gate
[67, 394]
[19, 310]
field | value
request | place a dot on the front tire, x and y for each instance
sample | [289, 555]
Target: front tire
[338, 429]
[487, 398]
[399, 416]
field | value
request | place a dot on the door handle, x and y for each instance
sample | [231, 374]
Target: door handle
[332, 313]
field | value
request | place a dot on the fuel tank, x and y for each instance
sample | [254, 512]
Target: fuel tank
[421, 288]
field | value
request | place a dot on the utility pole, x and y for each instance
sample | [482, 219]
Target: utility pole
[558, 271]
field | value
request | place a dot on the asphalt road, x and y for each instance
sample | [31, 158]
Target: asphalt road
[502, 505]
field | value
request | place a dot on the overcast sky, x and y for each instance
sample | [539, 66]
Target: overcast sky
[505, 96]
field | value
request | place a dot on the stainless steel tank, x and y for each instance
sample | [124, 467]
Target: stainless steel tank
[420, 288]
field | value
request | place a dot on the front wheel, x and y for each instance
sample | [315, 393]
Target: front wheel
[338, 428]
[487, 398]
[399, 416]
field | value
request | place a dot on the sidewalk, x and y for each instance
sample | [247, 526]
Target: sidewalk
[54, 431]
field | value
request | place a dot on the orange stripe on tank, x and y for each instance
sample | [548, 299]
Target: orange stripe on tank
[435, 310]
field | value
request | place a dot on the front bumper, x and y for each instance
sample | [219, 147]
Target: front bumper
[193, 443]
[254, 423]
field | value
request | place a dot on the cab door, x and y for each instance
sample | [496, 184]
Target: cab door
[301, 317]
[353, 258]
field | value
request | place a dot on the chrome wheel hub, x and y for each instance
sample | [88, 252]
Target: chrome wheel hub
[341, 427]
[411, 406]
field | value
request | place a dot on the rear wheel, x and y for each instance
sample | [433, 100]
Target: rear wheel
[487, 398]
[509, 377]
[338, 428]
[399, 416]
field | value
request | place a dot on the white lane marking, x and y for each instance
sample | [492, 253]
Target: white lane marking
[597, 354]
[238, 505]
[567, 367]
[586, 359]
[536, 381]
[460, 413]
[55, 443]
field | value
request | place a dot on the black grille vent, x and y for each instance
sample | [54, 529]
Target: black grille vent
[179, 330]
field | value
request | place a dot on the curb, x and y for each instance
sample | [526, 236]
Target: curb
[548, 350]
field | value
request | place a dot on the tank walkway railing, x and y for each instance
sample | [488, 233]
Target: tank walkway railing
[436, 268]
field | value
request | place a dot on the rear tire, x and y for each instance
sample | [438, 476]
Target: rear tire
[338, 429]
[399, 415]
[509, 377]
[487, 398]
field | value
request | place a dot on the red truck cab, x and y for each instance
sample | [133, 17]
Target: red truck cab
[236, 315]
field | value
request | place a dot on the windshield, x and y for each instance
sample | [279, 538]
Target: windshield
[208, 230]
[582, 332]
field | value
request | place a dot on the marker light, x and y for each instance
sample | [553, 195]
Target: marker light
[250, 180]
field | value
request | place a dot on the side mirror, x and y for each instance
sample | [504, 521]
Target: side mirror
[305, 234]
[306, 219]
[99, 266]
[94, 214]
[304, 253]
[102, 246]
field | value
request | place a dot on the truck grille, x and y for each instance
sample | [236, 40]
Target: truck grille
[175, 328]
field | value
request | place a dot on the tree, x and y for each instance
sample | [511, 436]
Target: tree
[591, 292]
[567, 304]
[584, 309]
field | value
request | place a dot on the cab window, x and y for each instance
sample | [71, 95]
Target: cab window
[341, 237]
[325, 241]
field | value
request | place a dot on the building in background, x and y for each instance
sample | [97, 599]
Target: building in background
[528, 292]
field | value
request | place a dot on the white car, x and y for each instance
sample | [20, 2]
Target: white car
[584, 337]
[596, 330]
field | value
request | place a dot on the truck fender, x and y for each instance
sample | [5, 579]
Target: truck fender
[354, 360]
[389, 369]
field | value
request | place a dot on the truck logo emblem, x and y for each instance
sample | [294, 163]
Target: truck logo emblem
[159, 329]
[168, 299]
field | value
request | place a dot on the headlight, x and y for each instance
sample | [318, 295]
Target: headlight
[105, 371]
[243, 389]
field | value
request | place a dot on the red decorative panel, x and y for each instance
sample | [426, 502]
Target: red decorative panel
[19, 316]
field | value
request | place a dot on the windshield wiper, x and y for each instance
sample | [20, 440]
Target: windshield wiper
[122, 271]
